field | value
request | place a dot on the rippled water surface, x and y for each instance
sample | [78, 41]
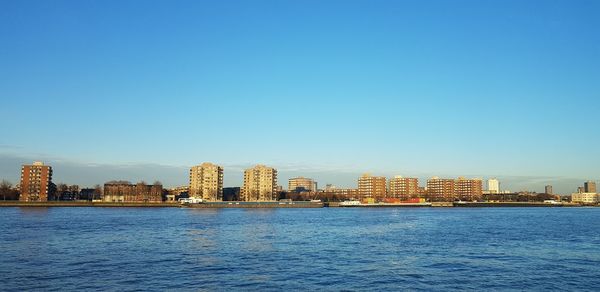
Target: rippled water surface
[299, 249]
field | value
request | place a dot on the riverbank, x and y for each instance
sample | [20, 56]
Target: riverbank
[295, 204]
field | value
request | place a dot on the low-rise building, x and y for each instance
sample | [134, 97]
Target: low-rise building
[585, 198]
[122, 191]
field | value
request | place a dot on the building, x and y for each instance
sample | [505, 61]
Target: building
[585, 198]
[332, 193]
[260, 184]
[440, 189]
[493, 186]
[124, 191]
[372, 186]
[36, 182]
[548, 189]
[403, 187]
[302, 183]
[468, 189]
[231, 194]
[589, 187]
[176, 193]
[206, 182]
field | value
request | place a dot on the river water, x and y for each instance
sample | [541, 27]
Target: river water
[299, 249]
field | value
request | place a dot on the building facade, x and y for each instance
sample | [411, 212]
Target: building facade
[440, 189]
[206, 182]
[307, 184]
[372, 186]
[36, 182]
[403, 187]
[468, 189]
[132, 193]
[585, 198]
[260, 184]
[493, 186]
[548, 190]
[589, 187]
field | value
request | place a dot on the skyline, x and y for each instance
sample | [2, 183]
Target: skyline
[234, 176]
[323, 89]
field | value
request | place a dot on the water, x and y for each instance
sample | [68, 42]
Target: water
[299, 249]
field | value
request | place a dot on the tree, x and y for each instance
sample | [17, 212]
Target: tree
[5, 189]
[97, 192]
[61, 189]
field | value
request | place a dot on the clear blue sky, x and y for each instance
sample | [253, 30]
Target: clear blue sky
[448, 88]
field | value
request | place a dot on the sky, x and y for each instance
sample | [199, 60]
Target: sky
[142, 90]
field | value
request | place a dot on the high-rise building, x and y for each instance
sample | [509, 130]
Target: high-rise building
[302, 183]
[468, 189]
[440, 189]
[403, 187]
[548, 189]
[493, 186]
[260, 184]
[589, 187]
[206, 182]
[36, 182]
[372, 186]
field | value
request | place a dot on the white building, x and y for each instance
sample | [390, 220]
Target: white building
[587, 198]
[493, 186]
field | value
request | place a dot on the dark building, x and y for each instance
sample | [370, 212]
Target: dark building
[231, 194]
[589, 187]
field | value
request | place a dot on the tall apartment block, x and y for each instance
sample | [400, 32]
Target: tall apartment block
[548, 189]
[468, 189]
[589, 187]
[260, 184]
[307, 184]
[36, 180]
[206, 182]
[372, 186]
[440, 189]
[493, 186]
[403, 187]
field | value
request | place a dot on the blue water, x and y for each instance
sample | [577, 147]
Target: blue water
[299, 249]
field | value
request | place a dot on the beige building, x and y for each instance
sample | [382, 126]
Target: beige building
[586, 198]
[372, 186]
[403, 187]
[468, 189]
[206, 182]
[36, 180]
[440, 189]
[260, 184]
[307, 184]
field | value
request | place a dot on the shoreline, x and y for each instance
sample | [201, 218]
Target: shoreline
[295, 204]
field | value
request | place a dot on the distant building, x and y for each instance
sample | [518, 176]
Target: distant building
[589, 187]
[580, 189]
[493, 186]
[176, 193]
[231, 194]
[403, 187]
[586, 198]
[372, 186]
[302, 183]
[206, 182]
[440, 189]
[36, 182]
[468, 189]
[260, 184]
[548, 189]
[122, 191]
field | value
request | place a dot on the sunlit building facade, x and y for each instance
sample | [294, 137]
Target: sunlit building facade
[260, 184]
[206, 182]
